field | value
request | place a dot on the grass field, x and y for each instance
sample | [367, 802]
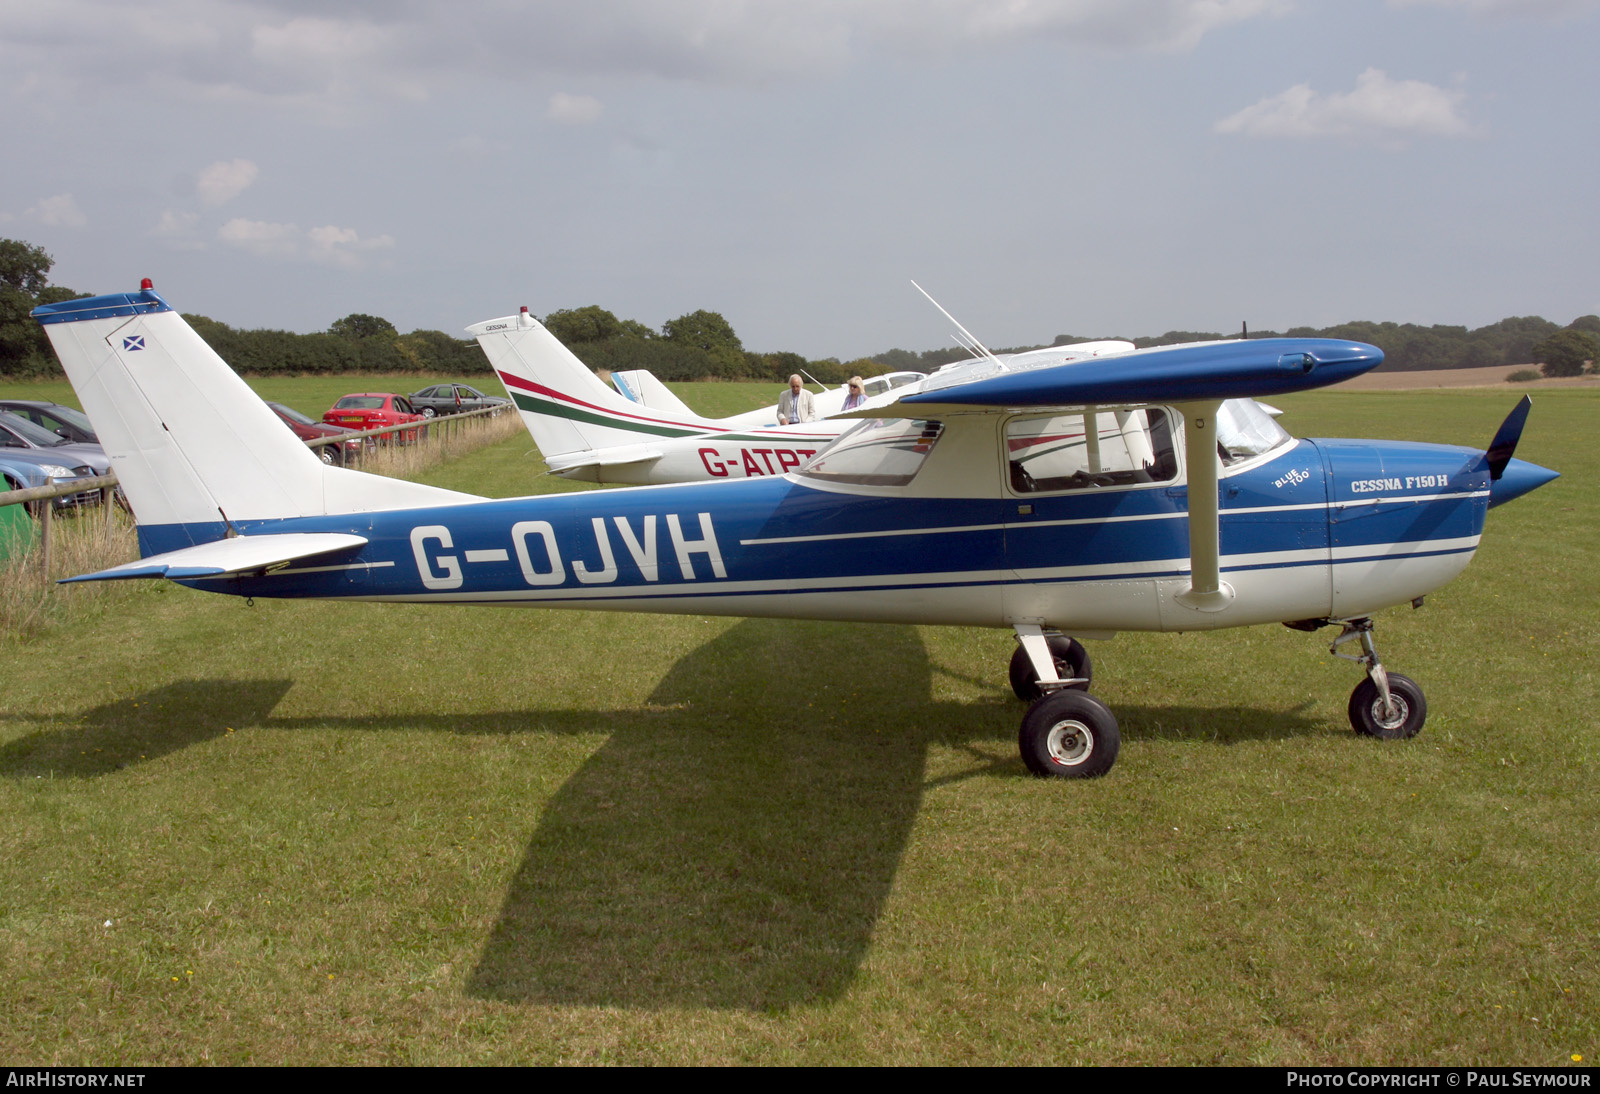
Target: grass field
[311, 833]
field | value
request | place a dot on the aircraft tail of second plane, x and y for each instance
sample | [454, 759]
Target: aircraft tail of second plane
[573, 416]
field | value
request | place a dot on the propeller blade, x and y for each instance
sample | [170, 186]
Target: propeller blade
[1505, 440]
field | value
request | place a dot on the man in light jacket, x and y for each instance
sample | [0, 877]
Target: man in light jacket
[795, 404]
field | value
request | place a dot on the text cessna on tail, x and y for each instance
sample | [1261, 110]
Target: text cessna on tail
[987, 504]
[587, 431]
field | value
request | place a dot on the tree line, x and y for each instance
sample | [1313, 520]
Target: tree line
[702, 345]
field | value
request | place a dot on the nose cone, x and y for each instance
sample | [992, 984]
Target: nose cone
[1517, 479]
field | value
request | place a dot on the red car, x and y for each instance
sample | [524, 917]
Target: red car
[346, 452]
[374, 410]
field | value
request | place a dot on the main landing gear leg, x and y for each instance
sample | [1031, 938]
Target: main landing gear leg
[1384, 705]
[1067, 732]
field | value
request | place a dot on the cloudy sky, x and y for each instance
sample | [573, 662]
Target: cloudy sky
[1041, 166]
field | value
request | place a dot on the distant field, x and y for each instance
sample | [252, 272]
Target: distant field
[314, 394]
[1458, 377]
[324, 834]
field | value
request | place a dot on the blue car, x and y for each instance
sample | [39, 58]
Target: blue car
[22, 442]
[24, 470]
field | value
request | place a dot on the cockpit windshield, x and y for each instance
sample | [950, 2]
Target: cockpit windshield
[1245, 430]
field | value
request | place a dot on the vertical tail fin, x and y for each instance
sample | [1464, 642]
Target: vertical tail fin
[641, 386]
[196, 450]
[564, 404]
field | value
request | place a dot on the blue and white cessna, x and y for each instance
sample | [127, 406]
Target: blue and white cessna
[1077, 499]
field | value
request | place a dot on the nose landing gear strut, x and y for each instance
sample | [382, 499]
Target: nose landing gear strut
[1384, 705]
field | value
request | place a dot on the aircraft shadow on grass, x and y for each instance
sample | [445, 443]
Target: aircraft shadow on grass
[144, 727]
[734, 841]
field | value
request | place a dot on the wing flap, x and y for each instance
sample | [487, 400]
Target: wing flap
[219, 558]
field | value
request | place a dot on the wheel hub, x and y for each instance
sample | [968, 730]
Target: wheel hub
[1070, 743]
[1401, 710]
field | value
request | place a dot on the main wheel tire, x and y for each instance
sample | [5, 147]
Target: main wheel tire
[1069, 735]
[1367, 715]
[1072, 662]
[326, 455]
[428, 412]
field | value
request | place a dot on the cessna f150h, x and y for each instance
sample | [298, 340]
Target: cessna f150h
[644, 435]
[1077, 499]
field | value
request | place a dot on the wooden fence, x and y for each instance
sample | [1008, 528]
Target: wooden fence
[440, 429]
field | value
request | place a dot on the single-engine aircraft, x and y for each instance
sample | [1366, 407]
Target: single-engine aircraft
[1074, 500]
[642, 434]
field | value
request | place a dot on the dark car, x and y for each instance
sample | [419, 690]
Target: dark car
[18, 435]
[64, 421]
[309, 429]
[452, 399]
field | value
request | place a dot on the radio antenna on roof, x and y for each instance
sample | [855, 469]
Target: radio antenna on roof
[963, 337]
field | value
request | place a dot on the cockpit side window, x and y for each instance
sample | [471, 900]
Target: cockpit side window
[1126, 448]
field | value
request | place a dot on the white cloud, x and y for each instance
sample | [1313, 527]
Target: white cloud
[328, 245]
[574, 109]
[263, 238]
[60, 211]
[354, 52]
[1379, 108]
[341, 55]
[225, 180]
[343, 247]
[1518, 9]
[178, 230]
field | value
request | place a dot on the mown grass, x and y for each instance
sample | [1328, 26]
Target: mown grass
[294, 832]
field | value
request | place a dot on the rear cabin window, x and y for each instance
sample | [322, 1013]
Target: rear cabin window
[359, 402]
[878, 452]
[1127, 448]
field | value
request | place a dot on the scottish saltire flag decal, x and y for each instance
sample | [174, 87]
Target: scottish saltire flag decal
[133, 342]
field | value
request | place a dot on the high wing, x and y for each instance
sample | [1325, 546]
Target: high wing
[1193, 372]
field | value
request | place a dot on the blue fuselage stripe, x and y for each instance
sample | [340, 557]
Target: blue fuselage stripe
[781, 537]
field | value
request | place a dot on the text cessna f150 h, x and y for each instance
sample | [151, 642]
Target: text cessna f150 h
[1075, 500]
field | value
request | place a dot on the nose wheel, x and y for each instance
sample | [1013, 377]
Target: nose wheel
[1385, 705]
[1070, 659]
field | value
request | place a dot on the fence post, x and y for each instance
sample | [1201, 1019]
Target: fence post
[44, 540]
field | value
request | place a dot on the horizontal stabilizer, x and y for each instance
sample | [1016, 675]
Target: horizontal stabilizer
[620, 456]
[241, 554]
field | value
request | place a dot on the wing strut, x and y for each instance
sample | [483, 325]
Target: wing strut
[1207, 591]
